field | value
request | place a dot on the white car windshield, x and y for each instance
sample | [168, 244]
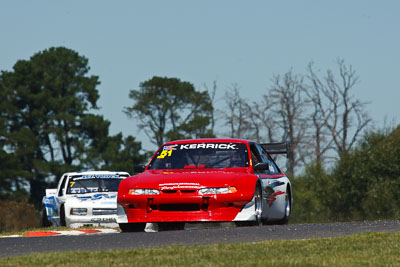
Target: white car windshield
[79, 185]
[200, 155]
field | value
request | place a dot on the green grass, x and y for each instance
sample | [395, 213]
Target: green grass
[370, 249]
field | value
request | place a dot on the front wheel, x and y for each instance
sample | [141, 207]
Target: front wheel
[44, 220]
[257, 198]
[62, 216]
[132, 227]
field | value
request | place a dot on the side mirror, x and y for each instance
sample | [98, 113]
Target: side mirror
[139, 168]
[261, 166]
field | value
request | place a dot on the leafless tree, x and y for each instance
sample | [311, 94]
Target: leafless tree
[289, 108]
[250, 120]
[342, 114]
[236, 114]
[212, 93]
[318, 139]
[262, 124]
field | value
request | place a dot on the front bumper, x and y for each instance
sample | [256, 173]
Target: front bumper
[188, 208]
[91, 219]
[74, 222]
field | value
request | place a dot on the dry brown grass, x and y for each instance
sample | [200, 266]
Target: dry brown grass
[15, 216]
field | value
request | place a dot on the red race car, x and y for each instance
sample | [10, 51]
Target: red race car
[207, 180]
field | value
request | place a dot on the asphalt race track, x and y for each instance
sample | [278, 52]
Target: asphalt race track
[117, 241]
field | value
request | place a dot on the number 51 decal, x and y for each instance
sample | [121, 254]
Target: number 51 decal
[165, 153]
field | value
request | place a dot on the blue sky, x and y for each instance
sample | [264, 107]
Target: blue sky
[242, 42]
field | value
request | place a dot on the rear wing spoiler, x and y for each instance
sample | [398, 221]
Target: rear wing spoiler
[277, 148]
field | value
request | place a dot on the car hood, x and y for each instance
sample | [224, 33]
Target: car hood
[185, 179]
[99, 198]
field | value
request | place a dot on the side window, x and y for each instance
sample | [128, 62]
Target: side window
[62, 186]
[255, 157]
[273, 169]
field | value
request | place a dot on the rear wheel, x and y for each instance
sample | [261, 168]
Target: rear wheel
[288, 207]
[132, 227]
[257, 198]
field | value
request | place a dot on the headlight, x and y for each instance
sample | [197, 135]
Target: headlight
[78, 211]
[217, 190]
[143, 192]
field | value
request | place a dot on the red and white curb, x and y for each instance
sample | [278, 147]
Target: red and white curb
[59, 233]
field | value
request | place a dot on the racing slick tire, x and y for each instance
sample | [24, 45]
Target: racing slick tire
[132, 227]
[258, 209]
[168, 226]
[44, 221]
[288, 208]
[62, 216]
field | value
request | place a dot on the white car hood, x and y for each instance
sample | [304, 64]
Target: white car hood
[93, 200]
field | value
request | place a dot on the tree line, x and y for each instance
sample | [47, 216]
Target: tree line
[318, 113]
[48, 124]
[363, 185]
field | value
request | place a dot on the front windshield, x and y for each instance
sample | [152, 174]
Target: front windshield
[200, 155]
[79, 185]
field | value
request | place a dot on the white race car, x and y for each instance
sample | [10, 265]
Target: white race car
[83, 199]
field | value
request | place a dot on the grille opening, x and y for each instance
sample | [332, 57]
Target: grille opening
[104, 211]
[188, 191]
[204, 207]
[179, 207]
[169, 191]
